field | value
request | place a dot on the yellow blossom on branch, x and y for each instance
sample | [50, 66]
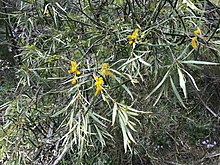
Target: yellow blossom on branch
[47, 14]
[133, 37]
[74, 80]
[194, 39]
[73, 68]
[131, 42]
[98, 84]
[105, 69]
[198, 31]
[194, 45]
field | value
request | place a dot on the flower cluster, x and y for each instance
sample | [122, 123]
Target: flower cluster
[105, 70]
[74, 70]
[133, 37]
[98, 84]
[194, 39]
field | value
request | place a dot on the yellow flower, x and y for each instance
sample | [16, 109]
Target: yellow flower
[198, 31]
[98, 84]
[105, 69]
[194, 45]
[74, 69]
[74, 80]
[133, 37]
[47, 14]
[131, 42]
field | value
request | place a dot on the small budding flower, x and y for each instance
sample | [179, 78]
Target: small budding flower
[98, 84]
[194, 39]
[131, 42]
[198, 31]
[133, 37]
[74, 69]
[194, 45]
[74, 80]
[47, 14]
[105, 69]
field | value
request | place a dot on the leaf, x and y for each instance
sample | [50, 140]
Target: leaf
[159, 85]
[101, 139]
[64, 109]
[192, 79]
[131, 126]
[115, 108]
[101, 117]
[125, 137]
[132, 109]
[130, 136]
[199, 62]
[144, 62]
[126, 88]
[97, 120]
[192, 6]
[124, 116]
[216, 42]
[128, 91]
[159, 96]
[127, 62]
[182, 82]
[120, 2]
[59, 112]
[3, 106]
[176, 92]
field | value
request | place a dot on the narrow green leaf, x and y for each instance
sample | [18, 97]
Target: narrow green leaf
[101, 117]
[3, 106]
[101, 139]
[124, 115]
[130, 136]
[64, 109]
[96, 119]
[125, 87]
[192, 79]
[128, 91]
[159, 96]
[199, 62]
[182, 82]
[159, 85]
[115, 108]
[131, 126]
[125, 137]
[192, 6]
[176, 92]
[144, 62]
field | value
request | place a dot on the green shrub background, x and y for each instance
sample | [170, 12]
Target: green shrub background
[159, 104]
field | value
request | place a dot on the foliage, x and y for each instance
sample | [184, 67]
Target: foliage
[95, 79]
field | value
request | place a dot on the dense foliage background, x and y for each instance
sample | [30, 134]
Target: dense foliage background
[110, 82]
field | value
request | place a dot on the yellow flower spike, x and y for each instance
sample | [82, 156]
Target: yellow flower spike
[133, 37]
[105, 69]
[198, 31]
[47, 14]
[194, 45]
[74, 80]
[129, 36]
[136, 31]
[135, 34]
[131, 42]
[78, 72]
[74, 69]
[98, 84]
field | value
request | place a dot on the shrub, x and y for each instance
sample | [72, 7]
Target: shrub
[91, 73]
